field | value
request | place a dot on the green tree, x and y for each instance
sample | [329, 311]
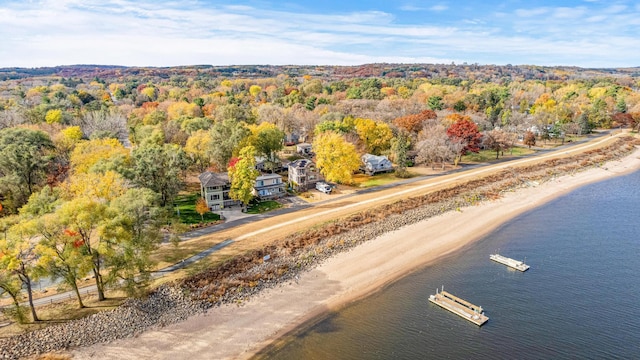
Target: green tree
[24, 157]
[435, 103]
[132, 230]
[400, 146]
[225, 138]
[336, 158]
[268, 139]
[161, 169]
[243, 175]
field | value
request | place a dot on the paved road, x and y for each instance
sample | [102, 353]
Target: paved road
[297, 207]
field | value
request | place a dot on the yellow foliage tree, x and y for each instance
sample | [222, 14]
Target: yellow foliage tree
[53, 116]
[183, 108]
[95, 186]
[336, 158]
[197, 148]
[376, 136]
[254, 90]
[88, 153]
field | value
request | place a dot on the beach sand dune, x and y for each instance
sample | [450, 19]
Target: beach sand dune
[239, 331]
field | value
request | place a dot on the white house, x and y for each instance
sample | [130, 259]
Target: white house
[374, 164]
[269, 186]
[214, 188]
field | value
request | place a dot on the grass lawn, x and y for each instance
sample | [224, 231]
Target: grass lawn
[490, 155]
[186, 205]
[365, 181]
[263, 206]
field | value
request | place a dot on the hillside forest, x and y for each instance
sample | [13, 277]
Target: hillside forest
[92, 158]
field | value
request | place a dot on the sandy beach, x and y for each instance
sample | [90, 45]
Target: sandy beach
[239, 331]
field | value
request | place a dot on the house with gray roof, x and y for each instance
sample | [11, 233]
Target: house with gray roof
[214, 188]
[373, 164]
[303, 174]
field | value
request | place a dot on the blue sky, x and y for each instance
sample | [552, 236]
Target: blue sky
[586, 33]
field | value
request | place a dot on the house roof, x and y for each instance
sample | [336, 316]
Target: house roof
[300, 163]
[269, 176]
[304, 145]
[209, 179]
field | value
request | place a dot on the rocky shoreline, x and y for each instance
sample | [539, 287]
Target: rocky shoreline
[174, 303]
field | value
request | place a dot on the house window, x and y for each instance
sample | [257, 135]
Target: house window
[259, 183]
[214, 197]
[312, 177]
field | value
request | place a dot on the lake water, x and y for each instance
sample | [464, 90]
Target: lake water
[579, 300]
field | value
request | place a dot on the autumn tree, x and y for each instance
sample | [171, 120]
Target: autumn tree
[243, 175]
[60, 252]
[202, 207]
[99, 154]
[465, 131]
[19, 259]
[376, 136]
[529, 139]
[53, 116]
[336, 158]
[197, 149]
[413, 123]
[102, 124]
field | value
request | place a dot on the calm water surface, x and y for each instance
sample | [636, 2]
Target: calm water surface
[579, 300]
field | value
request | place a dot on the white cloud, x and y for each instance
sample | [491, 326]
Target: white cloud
[127, 32]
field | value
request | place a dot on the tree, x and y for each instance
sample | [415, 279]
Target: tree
[132, 232]
[225, 138]
[243, 175]
[267, 140]
[336, 158]
[25, 156]
[161, 169]
[90, 155]
[18, 258]
[105, 124]
[435, 145]
[465, 131]
[497, 140]
[435, 103]
[60, 252]
[399, 146]
[529, 139]
[413, 123]
[376, 136]
[82, 217]
[197, 149]
[202, 207]
[11, 285]
[53, 116]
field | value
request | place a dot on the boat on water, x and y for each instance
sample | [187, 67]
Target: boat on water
[512, 263]
[460, 307]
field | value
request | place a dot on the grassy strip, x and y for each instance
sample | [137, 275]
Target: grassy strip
[185, 209]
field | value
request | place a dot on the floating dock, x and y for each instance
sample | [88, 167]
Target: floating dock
[515, 264]
[460, 307]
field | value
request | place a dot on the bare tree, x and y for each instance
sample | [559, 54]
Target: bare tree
[10, 118]
[111, 123]
[435, 146]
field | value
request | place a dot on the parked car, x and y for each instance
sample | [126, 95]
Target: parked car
[323, 187]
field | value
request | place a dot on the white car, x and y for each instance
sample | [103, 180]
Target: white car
[323, 187]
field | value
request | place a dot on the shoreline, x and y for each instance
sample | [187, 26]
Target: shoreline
[241, 331]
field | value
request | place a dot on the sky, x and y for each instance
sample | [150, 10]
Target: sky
[585, 33]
